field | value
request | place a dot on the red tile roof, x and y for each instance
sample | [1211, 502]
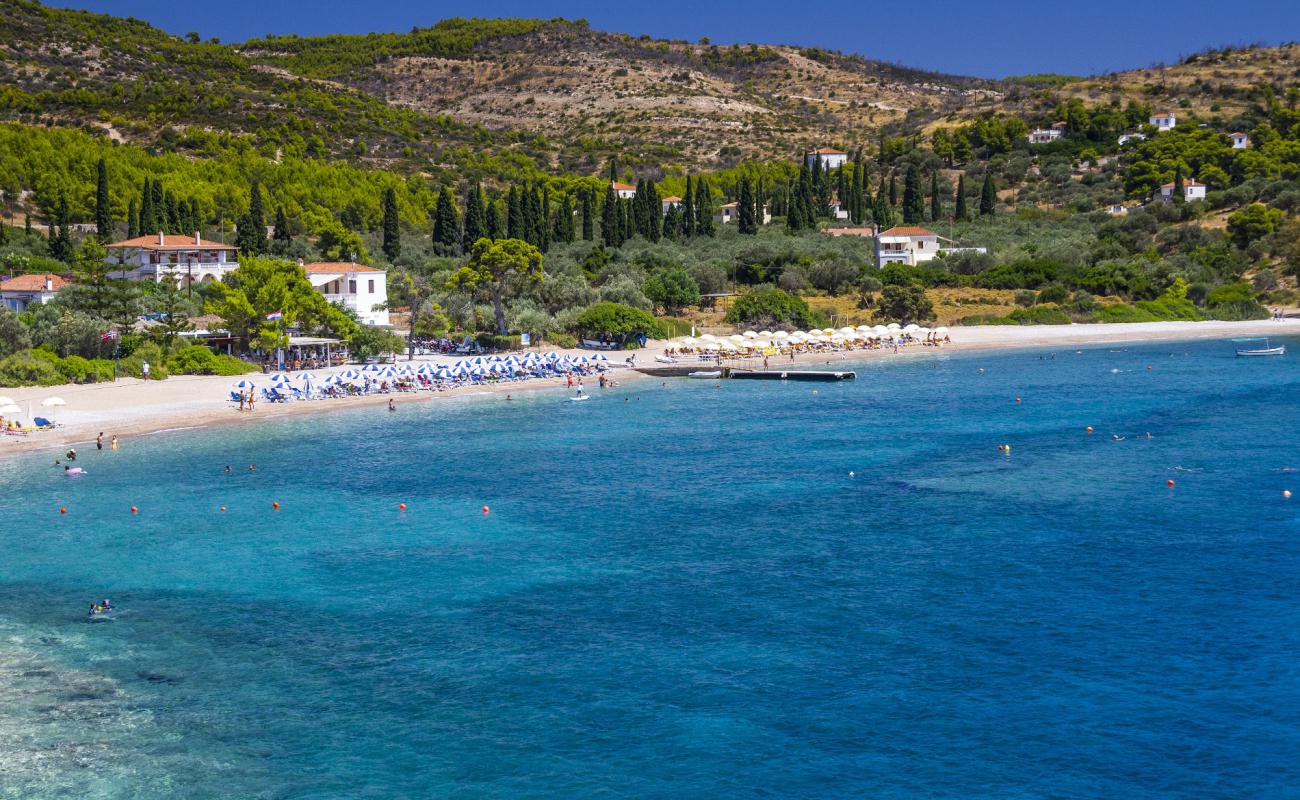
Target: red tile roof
[170, 241]
[1236, 133]
[1185, 184]
[338, 266]
[903, 231]
[622, 187]
[32, 283]
[673, 199]
[1161, 116]
[827, 151]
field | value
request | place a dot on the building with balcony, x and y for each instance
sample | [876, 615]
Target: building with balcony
[186, 259]
[21, 291]
[356, 286]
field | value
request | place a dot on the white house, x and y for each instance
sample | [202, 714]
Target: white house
[356, 286]
[910, 246]
[1125, 138]
[1191, 191]
[189, 259]
[730, 212]
[1239, 140]
[623, 191]
[838, 211]
[1163, 122]
[829, 157]
[668, 202]
[21, 291]
[1046, 135]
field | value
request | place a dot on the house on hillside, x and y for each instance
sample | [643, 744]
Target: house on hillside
[1047, 135]
[21, 291]
[1191, 191]
[838, 211]
[1163, 122]
[1125, 138]
[623, 191]
[356, 286]
[1239, 140]
[905, 245]
[730, 212]
[669, 202]
[187, 259]
[829, 158]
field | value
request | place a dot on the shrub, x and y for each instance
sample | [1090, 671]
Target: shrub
[193, 360]
[491, 341]
[1172, 304]
[1122, 312]
[1053, 293]
[1025, 297]
[617, 321]
[1039, 315]
[673, 289]
[772, 308]
[904, 304]
[25, 369]
[562, 340]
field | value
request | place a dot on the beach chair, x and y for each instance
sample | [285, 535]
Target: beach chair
[43, 424]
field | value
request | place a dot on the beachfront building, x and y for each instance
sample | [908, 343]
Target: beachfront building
[1239, 140]
[904, 245]
[356, 286]
[1191, 191]
[829, 157]
[21, 291]
[1163, 122]
[187, 259]
[730, 212]
[1047, 135]
[623, 191]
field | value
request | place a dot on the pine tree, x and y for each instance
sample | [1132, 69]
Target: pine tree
[745, 209]
[588, 224]
[959, 213]
[475, 217]
[446, 228]
[703, 208]
[913, 205]
[392, 233]
[103, 213]
[610, 229]
[132, 219]
[514, 215]
[936, 202]
[688, 209]
[988, 196]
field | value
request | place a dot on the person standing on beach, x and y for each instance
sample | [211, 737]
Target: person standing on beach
[241, 399]
[144, 369]
[99, 441]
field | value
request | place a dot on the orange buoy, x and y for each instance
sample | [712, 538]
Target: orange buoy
[402, 506]
[276, 505]
[1286, 493]
[63, 509]
[135, 510]
[485, 510]
[1170, 483]
[1089, 429]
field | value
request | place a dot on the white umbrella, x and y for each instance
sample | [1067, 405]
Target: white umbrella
[10, 408]
[846, 330]
[941, 329]
[749, 335]
[781, 335]
[51, 402]
[708, 337]
[6, 401]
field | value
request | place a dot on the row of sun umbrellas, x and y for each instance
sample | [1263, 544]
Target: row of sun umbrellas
[763, 340]
[8, 406]
[477, 367]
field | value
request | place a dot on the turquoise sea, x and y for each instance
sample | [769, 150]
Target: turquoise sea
[681, 591]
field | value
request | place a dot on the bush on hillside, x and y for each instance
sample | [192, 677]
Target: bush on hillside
[772, 308]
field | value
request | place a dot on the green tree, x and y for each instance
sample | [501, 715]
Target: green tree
[960, 208]
[283, 237]
[588, 224]
[688, 209]
[446, 229]
[988, 196]
[673, 289]
[936, 202]
[60, 239]
[882, 213]
[475, 217]
[132, 219]
[515, 228]
[250, 237]
[263, 285]
[414, 290]
[494, 266]
[564, 230]
[1252, 223]
[703, 208]
[772, 308]
[904, 304]
[610, 229]
[913, 205]
[746, 224]
[148, 216]
[618, 322]
[392, 234]
[103, 211]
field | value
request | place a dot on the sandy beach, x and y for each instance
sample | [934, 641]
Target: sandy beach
[131, 407]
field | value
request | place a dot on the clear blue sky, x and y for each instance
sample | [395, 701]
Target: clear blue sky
[990, 38]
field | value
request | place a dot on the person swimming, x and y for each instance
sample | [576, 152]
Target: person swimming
[1116, 437]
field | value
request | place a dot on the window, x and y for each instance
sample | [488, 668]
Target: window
[352, 287]
[372, 286]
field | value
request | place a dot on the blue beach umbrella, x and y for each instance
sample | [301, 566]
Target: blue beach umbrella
[245, 384]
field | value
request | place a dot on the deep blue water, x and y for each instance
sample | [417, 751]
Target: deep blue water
[682, 594]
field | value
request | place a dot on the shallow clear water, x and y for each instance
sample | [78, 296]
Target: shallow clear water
[683, 594]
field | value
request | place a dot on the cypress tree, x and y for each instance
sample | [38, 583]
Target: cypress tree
[1179, 195]
[283, 236]
[688, 209]
[533, 221]
[629, 220]
[514, 215]
[475, 217]
[988, 196]
[446, 229]
[132, 219]
[673, 222]
[392, 233]
[893, 191]
[545, 222]
[492, 213]
[960, 211]
[913, 205]
[855, 195]
[563, 230]
[59, 241]
[610, 229]
[842, 190]
[654, 212]
[639, 211]
[148, 222]
[613, 169]
[882, 213]
[27, 224]
[103, 214]
[196, 216]
[936, 203]
[4, 233]
[256, 221]
[173, 213]
[159, 207]
[703, 208]
[588, 224]
[745, 209]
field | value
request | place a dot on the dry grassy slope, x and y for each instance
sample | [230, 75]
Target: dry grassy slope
[667, 102]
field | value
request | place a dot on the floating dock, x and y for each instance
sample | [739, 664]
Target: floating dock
[810, 375]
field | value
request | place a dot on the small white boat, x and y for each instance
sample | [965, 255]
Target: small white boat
[706, 375]
[580, 398]
[665, 359]
[1280, 350]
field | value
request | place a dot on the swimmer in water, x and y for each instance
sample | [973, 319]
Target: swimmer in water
[1117, 437]
[227, 469]
[391, 407]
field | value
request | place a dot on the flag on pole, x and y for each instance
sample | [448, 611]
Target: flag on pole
[275, 315]
[108, 336]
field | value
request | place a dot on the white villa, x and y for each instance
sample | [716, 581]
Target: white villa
[1191, 191]
[623, 191]
[189, 259]
[356, 286]
[829, 157]
[1046, 135]
[730, 212]
[1239, 140]
[910, 246]
[21, 291]
[1163, 122]
[668, 202]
